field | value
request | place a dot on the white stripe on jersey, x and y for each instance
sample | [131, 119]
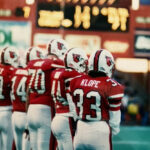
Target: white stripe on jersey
[57, 75]
[116, 96]
[21, 71]
[68, 80]
[57, 66]
[114, 105]
[72, 78]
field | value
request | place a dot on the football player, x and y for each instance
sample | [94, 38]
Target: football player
[56, 49]
[75, 60]
[9, 58]
[41, 106]
[97, 98]
[18, 98]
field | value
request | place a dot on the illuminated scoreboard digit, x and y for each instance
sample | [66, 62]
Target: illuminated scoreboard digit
[82, 17]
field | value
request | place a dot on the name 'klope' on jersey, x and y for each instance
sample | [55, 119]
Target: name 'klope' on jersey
[90, 83]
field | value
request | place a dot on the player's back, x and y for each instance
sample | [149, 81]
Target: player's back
[60, 82]
[5, 82]
[19, 88]
[94, 97]
[39, 80]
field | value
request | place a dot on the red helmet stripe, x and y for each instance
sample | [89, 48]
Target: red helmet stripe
[2, 55]
[49, 47]
[28, 55]
[96, 59]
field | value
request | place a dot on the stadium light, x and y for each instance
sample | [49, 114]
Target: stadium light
[132, 65]
[135, 4]
[30, 2]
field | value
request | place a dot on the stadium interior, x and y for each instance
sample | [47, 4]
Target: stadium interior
[120, 26]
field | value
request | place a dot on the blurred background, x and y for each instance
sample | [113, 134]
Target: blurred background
[120, 26]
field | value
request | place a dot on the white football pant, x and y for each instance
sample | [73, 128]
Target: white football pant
[39, 121]
[92, 136]
[62, 131]
[6, 135]
[19, 122]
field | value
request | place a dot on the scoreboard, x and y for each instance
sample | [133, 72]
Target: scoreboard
[82, 17]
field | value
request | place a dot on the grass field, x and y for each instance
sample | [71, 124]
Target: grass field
[132, 138]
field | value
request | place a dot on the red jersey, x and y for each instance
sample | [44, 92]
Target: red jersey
[5, 83]
[18, 89]
[39, 80]
[60, 81]
[95, 97]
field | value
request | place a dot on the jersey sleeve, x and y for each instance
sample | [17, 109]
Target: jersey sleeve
[57, 64]
[72, 74]
[69, 97]
[52, 64]
[115, 96]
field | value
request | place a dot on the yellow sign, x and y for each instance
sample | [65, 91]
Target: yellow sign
[116, 16]
[83, 16]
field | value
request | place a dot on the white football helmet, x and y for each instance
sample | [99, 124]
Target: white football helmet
[57, 47]
[101, 61]
[34, 53]
[10, 55]
[77, 59]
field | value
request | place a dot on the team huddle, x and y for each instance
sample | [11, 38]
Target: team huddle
[61, 100]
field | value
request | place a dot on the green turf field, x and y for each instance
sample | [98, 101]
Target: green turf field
[132, 138]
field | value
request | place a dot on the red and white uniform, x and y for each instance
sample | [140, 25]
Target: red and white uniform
[97, 102]
[62, 122]
[18, 89]
[41, 107]
[6, 135]
[19, 97]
